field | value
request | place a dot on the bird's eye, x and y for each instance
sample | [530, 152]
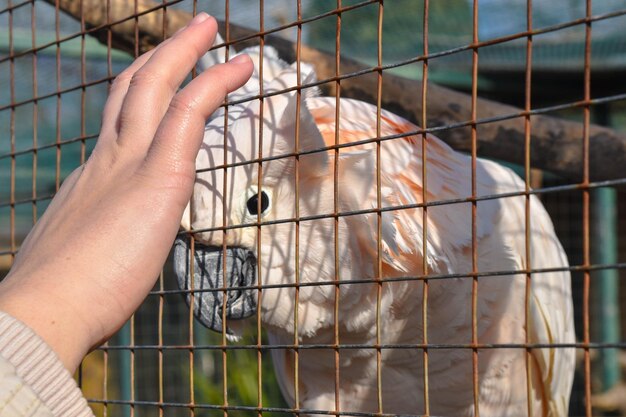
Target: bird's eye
[253, 203]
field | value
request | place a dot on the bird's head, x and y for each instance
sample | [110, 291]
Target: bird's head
[244, 204]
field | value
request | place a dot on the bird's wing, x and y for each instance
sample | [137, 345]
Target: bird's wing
[448, 179]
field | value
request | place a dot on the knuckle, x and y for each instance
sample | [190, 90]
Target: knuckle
[104, 160]
[121, 81]
[145, 77]
[182, 107]
[126, 123]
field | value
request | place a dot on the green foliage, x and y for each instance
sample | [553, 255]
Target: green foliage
[241, 377]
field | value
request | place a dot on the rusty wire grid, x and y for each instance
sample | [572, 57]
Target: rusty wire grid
[54, 77]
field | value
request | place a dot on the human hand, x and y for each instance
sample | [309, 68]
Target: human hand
[96, 252]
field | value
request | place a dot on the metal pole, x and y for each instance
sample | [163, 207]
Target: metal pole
[604, 251]
[123, 339]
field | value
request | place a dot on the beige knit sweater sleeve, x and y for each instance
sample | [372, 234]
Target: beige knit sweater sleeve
[33, 382]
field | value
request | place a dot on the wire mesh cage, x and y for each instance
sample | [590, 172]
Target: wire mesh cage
[358, 265]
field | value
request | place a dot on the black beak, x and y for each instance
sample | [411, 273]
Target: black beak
[209, 284]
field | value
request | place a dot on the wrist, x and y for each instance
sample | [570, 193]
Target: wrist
[55, 320]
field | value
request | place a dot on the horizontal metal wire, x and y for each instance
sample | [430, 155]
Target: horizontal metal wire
[433, 277]
[30, 200]
[15, 6]
[302, 345]
[49, 146]
[512, 37]
[544, 190]
[296, 23]
[538, 191]
[58, 93]
[250, 408]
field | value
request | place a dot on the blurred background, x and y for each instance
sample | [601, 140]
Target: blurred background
[52, 94]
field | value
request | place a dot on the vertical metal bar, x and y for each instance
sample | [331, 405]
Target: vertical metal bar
[190, 322]
[379, 215]
[160, 345]
[132, 366]
[296, 341]
[161, 281]
[109, 76]
[164, 21]
[425, 210]
[136, 27]
[224, 274]
[105, 382]
[190, 315]
[225, 224]
[132, 318]
[527, 224]
[33, 20]
[83, 80]
[109, 41]
[336, 205]
[259, 342]
[57, 180]
[585, 219]
[476, 386]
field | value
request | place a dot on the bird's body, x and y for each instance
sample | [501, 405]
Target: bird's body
[382, 296]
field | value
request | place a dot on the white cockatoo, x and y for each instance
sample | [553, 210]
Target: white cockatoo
[298, 264]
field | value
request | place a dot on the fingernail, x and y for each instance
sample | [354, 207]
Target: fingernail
[239, 59]
[200, 17]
